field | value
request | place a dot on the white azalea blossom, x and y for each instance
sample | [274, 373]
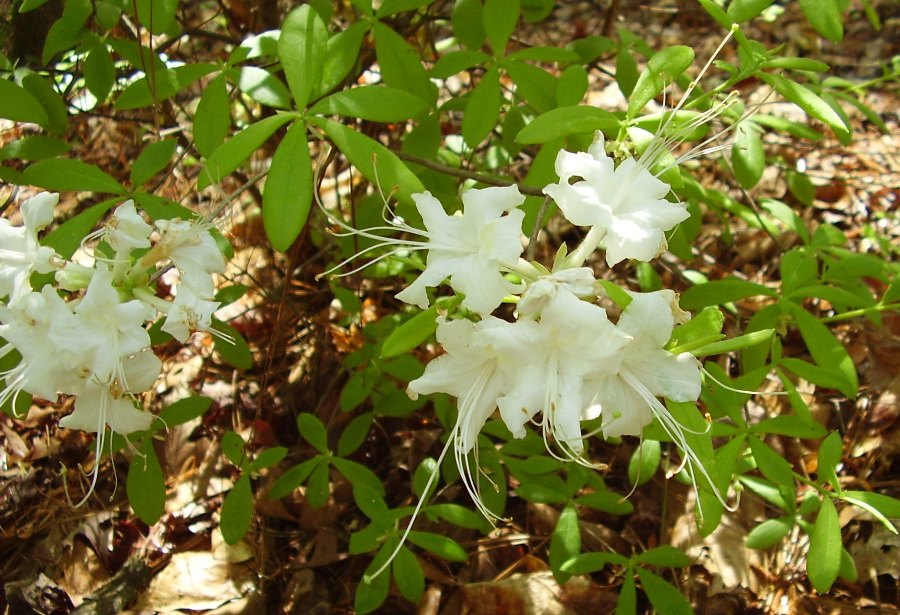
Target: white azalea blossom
[21, 253]
[189, 313]
[127, 230]
[191, 247]
[624, 205]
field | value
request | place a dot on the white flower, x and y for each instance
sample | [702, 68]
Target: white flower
[469, 371]
[472, 248]
[188, 313]
[21, 253]
[625, 204]
[191, 247]
[546, 363]
[578, 281]
[127, 231]
[627, 397]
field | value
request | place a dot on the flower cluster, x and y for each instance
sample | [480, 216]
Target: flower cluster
[560, 361]
[82, 331]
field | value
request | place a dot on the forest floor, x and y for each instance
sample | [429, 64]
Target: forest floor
[295, 558]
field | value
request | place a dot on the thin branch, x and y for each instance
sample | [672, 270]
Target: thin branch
[462, 173]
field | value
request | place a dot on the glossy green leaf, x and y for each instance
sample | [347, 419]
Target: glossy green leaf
[19, 105]
[457, 61]
[342, 54]
[231, 154]
[237, 511]
[354, 434]
[377, 163]
[565, 542]
[262, 86]
[807, 100]
[234, 349]
[442, 546]
[626, 72]
[410, 334]
[720, 292]
[769, 533]
[34, 147]
[824, 559]
[51, 100]
[318, 487]
[627, 603]
[665, 66]
[534, 85]
[67, 237]
[827, 351]
[747, 155]
[372, 592]
[294, 477]
[161, 85]
[63, 174]
[500, 19]
[665, 556]
[184, 410]
[572, 86]
[467, 19]
[65, 32]
[734, 343]
[288, 192]
[401, 67]
[606, 501]
[825, 16]
[458, 515]
[313, 431]
[268, 458]
[587, 563]
[830, 452]
[482, 109]
[408, 575]
[565, 121]
[771, 464]
[745, 10]
[663, 595]
[377, 103]
[644, 462]
[359, 475]
[152, 159]
[882, 507]
[99, 72]
[790, 425]
[146, 484]
[156, 15]
[301, 49]
[233, 448]
[213, 117]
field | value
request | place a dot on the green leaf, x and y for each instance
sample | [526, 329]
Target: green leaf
[720, 292]
[146, 484]
[231, 154]
[644, 462]
[34, 147]
[377, 163]
[410, 334]
[152, 160]
[627, 604]
[458, 515]
[213, 117]
[318, 487]
[62, 174]
[294, 477]
[371, 593]
[341, 55]
[313, 431]
[665, 556]
[233, 448]
[422, 476]
[19, 105]
[565, 542]
[827, 351]
[664, 596]
[747, 155]
[572, 86]
[408, 575]
[377, 103]
[262, 86]
[443, 547]
[354, 434]
[828, 459]
[606, 501]
[745, 10]
[664, 66]
[825, 16]
[482, 109]
[533, 84]
[769, 533]
[237, 510]
[67, 237]
[565, 121]
[771, 464]
[267, 458]
[288, 192]
[401, 67]
[457, 61]
[626, 72]
[882, 507]
[500, 19]
[798, 269]
[824, 559]
[790, 425]
[156, 15]
[467, 20]
[99, 72]
[392, 7]
[184, 410]
[807, 100]
[301, 49]
[233, 350]
[30, 5]
[159, 86]
[587, 563]
[65, 33]
[359, 475]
